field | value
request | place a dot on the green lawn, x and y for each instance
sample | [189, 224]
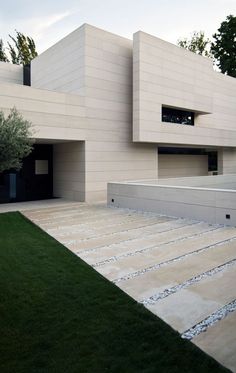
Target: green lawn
[59, 315]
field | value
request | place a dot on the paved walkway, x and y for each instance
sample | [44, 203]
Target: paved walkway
[180, 269]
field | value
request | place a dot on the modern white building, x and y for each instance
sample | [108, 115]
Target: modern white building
[105, 108]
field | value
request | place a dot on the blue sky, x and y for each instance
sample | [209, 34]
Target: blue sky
[47, 21]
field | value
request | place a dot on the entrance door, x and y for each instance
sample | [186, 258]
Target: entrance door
[35, 179]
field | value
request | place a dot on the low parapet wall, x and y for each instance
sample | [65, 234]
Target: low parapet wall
[202, 203]
[212, 182]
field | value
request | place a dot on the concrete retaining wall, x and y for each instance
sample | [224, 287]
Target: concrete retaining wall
[207, 204]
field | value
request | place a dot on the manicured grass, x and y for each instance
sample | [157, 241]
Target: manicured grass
[59, 315]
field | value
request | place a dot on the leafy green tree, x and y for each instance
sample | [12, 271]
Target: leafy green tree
[197, 44]
[15, 140]
[23, 49]
[223, 47]
[3, 56]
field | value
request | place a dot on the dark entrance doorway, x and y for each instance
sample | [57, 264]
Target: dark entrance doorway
[34, 181]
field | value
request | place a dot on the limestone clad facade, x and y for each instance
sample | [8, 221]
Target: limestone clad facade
[97, 98]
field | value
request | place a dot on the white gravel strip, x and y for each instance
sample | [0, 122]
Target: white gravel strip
[209, 321]
[155, 298]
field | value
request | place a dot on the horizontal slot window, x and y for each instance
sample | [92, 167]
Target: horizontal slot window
[177, 116]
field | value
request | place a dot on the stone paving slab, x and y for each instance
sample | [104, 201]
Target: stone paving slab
[86, 230]
[181, 231]
[147, 241]
[92, 220]
[188, 307]
[163, 253]
[53, 211]
[152, 283]
[77, 213]
[97, 241]
[97, 233]
[220, 342]
[57, 203]
[133, 233]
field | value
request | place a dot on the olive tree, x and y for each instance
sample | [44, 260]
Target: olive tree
[15, 140]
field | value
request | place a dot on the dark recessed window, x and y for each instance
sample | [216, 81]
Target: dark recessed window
[177, 116]
[212, 161]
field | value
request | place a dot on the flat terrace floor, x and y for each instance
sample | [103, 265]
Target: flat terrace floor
[181, 270]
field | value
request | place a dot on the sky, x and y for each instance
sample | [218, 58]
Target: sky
[48, 21]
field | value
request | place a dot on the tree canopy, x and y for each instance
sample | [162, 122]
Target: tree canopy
[223, 47]
[21, 49]
[15, 140]
[197, 44]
